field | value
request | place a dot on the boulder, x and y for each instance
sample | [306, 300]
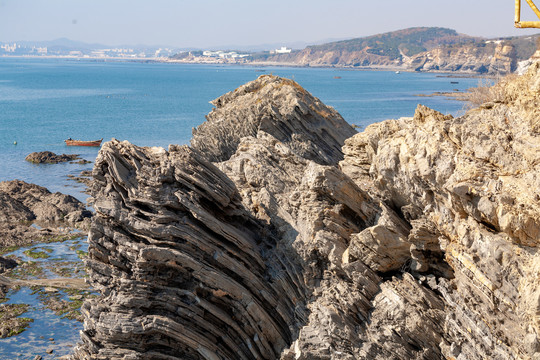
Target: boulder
[47, 157]
[22, 204]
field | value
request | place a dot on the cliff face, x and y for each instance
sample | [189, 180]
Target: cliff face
[420, 243]
[492, 58]
[419, 49]
[337, 57]
[381, 50]
[471, 58]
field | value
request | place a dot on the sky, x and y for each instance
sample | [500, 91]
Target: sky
[215, 23]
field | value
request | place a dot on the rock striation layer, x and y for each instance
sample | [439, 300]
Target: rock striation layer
[275, 106]
[265, 241]
[492, 58]
[416, 49]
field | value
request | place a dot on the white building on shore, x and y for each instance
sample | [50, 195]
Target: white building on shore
[10, 48]
[224, 55]
[283, 50]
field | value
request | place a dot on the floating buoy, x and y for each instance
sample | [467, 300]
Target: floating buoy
[14, 143]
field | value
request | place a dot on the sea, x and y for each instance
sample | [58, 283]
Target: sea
[45, 101]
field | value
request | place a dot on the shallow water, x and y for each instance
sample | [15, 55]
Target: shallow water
[35, 340]
[57, 251]
[65, 332]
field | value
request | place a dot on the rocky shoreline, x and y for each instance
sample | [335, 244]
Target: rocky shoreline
[23, 204]
[39, 221]
[281, 233]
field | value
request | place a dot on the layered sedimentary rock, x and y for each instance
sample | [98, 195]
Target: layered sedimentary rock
[255, 243]
[492, 58]
[279, 107]
[450, 53]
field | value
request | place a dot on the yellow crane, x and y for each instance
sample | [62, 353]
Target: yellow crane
[526, 24]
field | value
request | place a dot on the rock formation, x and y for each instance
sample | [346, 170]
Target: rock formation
[48, 157]
[493, 58]
[22, 204]
[478, 57]
[417, 49]
[262, 241]
[280, 108]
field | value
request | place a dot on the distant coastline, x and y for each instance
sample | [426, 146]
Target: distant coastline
[247, 64]
[419, 49]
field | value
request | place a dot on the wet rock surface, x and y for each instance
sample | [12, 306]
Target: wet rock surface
[48, 157]
[30, 214]
[23, 204]
[419, 241]
[10, 322]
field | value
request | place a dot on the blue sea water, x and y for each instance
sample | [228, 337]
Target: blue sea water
[44, 101]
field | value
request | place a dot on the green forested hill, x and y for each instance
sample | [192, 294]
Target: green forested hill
[392, 44]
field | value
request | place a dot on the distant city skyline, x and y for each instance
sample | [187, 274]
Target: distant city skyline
[242, 23]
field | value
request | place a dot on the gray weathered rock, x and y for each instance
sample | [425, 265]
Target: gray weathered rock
[468, 187]
[421, 244]
[48, 157]
[491, 58]
[22, 203]
[275, 106]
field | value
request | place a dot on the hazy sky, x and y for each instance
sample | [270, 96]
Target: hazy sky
[207, 23]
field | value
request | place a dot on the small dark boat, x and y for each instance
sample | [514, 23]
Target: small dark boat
[71, 142]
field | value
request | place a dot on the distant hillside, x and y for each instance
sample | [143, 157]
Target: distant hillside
[397, 43]
[494, 56]
[420, 48]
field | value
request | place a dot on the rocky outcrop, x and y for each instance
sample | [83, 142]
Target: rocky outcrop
[491, 58]
[420, 244]
[483, 57]
[467, 187]
[22, 204]
[274, 106]
[48, 157]
[385, 50]
[523, 66]
[6, 264]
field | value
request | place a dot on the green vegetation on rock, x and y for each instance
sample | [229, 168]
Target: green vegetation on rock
[8, 249]
[35, 253]
[10, 323]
